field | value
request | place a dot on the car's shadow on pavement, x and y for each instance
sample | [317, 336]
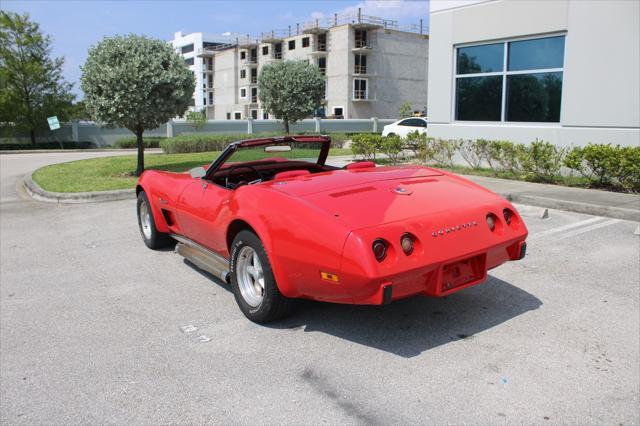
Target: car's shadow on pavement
[410, 326]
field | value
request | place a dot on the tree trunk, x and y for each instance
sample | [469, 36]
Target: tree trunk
[32, 135]
[140, 143]
[286, 126]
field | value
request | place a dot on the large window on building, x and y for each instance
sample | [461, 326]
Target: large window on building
[188, 61]
[186, 49]
[515, 81]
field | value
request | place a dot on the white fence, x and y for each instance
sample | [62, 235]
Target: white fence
[104, 136]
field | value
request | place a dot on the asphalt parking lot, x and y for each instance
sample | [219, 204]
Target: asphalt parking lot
[96, 328]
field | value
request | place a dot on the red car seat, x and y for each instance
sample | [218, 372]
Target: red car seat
[360, 165]
[290, 174]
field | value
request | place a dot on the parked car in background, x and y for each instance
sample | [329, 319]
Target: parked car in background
[405, 126]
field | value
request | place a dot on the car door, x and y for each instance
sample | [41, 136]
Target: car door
[203, 208]
[404, 127]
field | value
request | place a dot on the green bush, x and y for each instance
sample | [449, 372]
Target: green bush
[14, 146]
[392, 147]
[130, 142]
[366, 145]
[607, 166]
[541, 161]
[504, 156]
[443, 150]
[474, 152]
[417, 142]
[215, 142]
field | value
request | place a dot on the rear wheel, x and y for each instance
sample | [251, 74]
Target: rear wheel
[253, 283]
[150, 235]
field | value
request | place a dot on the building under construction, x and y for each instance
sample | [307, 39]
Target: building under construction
[372, 66]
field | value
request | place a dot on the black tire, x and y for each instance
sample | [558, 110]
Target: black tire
[273, 305]
[154, 239]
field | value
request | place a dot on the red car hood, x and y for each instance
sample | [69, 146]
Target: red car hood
[371, 197]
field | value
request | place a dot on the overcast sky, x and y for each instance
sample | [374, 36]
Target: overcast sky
[76, 25]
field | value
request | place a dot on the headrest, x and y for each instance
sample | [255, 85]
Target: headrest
[290, 174]
[360, 165]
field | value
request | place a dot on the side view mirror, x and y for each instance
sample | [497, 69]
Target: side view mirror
[198, 172]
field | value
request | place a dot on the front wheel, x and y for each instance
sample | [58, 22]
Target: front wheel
[253, 283]
[150, 234]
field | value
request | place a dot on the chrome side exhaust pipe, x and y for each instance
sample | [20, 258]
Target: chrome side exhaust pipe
[203, 258]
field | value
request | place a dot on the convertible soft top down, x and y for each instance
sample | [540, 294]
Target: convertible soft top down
[281, 226]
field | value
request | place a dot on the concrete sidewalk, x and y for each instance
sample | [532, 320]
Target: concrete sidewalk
[580, 200]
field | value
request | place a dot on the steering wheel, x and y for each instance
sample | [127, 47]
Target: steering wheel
[232, 185]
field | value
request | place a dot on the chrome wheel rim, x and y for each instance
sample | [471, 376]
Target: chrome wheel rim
[145, 220]
[250, 276]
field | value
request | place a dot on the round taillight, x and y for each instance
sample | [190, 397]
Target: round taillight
[507, 216]
[406, 242]
[491, 221]
[379, 249]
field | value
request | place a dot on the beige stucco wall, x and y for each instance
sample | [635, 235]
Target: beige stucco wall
[601, 82]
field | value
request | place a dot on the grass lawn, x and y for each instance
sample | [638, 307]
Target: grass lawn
[109, 173]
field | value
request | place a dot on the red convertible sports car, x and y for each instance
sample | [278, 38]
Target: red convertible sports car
[270, 217]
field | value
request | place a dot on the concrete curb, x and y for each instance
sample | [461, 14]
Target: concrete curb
[573, 206]
[37, 193]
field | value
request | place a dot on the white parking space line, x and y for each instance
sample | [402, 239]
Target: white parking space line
[588, 228]
[567, 227]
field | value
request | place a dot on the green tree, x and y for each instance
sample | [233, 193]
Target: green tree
[79, 111]
[135, 82]
[31, 83]
[406, 110]
[290, 90]
[197, 119]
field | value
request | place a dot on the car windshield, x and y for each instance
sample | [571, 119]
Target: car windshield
[276, 151]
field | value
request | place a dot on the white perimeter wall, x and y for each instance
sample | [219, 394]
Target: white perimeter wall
[601, 82]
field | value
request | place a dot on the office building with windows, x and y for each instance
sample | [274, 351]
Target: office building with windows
[566, 71]
[372, 66]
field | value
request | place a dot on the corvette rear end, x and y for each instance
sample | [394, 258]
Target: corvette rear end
[417, 231]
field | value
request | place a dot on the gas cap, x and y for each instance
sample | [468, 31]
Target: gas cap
[401, 190]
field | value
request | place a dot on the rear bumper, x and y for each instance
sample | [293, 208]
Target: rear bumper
[435, 280]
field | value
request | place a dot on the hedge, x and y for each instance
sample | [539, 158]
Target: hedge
[13, 146]
[216, 142]
[598, 165]
[131, 142]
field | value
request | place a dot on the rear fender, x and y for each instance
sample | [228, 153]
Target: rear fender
[262, 231]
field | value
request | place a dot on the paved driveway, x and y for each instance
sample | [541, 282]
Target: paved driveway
[95, 328]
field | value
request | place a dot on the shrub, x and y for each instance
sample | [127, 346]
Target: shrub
[607, 166]
[216, 142]
[504, 156]
[417, 142]
[442, 151]
[199, 143]
[628, 170]
[197, 119]
[541, 161]
[392, 147]
[595, 162]
[366, 145]
[406, 110]
[130, 142]
[474, 152]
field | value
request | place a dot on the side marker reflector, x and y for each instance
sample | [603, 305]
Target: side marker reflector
[329, 277]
